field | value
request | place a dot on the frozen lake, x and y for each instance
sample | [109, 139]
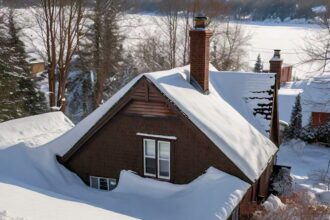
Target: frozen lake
[265, 37]
[290, 38]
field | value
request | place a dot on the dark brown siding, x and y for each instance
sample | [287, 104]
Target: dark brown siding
[116, 146]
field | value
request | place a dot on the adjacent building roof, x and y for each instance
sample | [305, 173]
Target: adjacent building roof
[35, 130]
[315, 96]
[234, 135]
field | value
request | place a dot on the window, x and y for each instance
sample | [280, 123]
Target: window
[156, 160]
[149, 157]
[102, 183]
[164, 159]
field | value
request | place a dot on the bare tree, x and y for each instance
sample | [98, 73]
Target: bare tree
[317, 47]
[60, 22]
[229, 46]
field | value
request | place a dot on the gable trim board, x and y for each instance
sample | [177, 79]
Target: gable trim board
[247, 144]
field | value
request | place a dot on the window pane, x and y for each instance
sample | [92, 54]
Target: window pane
[149, 148]
[103, 183]
[112, 183]
[94, 182]
[150, 166]
[164, 168]
[164, 150]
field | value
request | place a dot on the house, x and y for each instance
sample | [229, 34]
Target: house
[36, 63]
[315, 99]
[173, 125]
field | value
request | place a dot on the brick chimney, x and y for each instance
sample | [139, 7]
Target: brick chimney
[276, 66]
[199, 54]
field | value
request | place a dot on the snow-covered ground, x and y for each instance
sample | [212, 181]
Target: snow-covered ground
[309, 167]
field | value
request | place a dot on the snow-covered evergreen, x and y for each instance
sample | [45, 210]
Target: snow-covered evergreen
[258, 67]
[294, 129]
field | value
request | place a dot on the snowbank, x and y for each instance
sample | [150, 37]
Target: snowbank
[35, 130]
[34, 186]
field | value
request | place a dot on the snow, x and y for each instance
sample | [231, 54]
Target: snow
[308, 164]
[33, 185]
[245, 91]
[319, 9]
[35, 130]
[226, 132]
[273, 203]
[265, 37]
[315, 97]
[286, 100]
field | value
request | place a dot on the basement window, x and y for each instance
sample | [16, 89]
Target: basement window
[156, 159]
[102, 183]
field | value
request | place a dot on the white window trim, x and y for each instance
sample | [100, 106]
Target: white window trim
[156, 136]
[159, 159]
[145, 156]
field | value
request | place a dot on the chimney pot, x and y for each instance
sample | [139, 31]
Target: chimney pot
[201, 22]
[276, 66]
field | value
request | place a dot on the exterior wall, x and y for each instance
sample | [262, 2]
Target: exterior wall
[286, 75]
[320, 118]
[116, 146]
[257, 192]
[37, 68]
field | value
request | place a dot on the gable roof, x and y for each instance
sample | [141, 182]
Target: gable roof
[242, 143]
[35, 130]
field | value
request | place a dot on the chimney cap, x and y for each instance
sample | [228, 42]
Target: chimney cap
[277, 55]
[201, 21]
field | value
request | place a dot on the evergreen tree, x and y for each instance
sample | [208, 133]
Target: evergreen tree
[19, 96]
[258, 67]
[295, 127]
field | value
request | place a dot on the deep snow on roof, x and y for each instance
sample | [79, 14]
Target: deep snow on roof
[251, 94]
[35, 130]
[249, 149]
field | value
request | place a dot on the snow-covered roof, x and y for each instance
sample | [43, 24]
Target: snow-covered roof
[315, 95]
[35, 130]
[251, 94]
[240, 141]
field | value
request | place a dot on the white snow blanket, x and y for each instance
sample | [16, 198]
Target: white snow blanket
[33, 185]
[248, 148]
[309, 167]
[35, 130]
